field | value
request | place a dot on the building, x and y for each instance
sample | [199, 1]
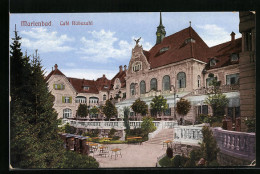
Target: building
[177, 66]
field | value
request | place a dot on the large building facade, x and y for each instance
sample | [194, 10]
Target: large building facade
[177, 66]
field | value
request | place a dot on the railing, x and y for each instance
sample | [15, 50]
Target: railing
[223, 88]
[159, 128]
[188, 134]
[236, 144]
[113, 124]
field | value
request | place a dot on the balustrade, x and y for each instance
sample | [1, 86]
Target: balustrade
[188, 134]
[233, 143]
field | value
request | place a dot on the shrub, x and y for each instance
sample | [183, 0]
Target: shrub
[165, 162]
[116, 138]
[213, 163]
[70, 129]
[176, 161]
[169, 152]
[111, 133]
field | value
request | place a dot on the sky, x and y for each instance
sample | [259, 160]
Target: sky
[89, 51]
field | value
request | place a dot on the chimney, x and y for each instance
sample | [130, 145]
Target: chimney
[232, 37]
[124, 67]
[56, 66]
[120, 68]
[104, 76]
[51, 68]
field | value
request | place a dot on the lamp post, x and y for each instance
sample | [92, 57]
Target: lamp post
[174, 94]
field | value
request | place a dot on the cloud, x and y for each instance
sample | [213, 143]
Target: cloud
[89, 74]
[104, 46]
[44, 41]
[214, 35]
[70, 64]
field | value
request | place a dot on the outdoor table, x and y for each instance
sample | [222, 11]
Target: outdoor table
[94, 146]
[116, 151]
[167, 142]
[138, 138]
[107, 138]
[95, 138]
[89, 142]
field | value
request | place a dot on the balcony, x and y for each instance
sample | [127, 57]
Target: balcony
[223, 88]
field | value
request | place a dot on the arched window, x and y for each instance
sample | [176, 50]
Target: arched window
[137, 66]
[181, 78]
[153, 84]
[199, 81]
[81, 99]
[142, 87]
[132, 89]
[104, 97]
[93, 100]
[166, 83]
[67, 113]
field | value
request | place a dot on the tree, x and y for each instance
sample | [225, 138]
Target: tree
[183, 107]
[216, 99]
[75, 161]
[147, 125]
[82, 110]
[208, 147]
[126, 120]
[94, 111]
[159, 104]
[140, 107]
[109, 110]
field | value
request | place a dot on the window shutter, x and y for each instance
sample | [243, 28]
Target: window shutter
[70, 99]
[53, 86]
[63, 86]
[63, 99]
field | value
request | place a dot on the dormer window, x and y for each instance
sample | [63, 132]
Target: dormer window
[234, 57]
[86, 88]
[164, 49]
[137, 66]
[105, 87]
[190, 40]
[213, 62]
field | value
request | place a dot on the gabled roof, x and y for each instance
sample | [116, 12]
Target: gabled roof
[54, 72]
[79, 84]
[121, 75]
[178, 50]
[103, 83]
[222, 53]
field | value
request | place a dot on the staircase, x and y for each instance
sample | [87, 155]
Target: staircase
[163, 135]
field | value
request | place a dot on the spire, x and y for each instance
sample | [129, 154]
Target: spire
[160, 33]
[160, 18]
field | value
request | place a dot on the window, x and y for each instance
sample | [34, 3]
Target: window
[213, 62]
[181, 79]
[58, 86]
[232, 79]
[104, 97]
[132, 89]
[81, 99]
[67, 113]
[203, 110]
[153, 84]
[198, 81]
[234, 57]
[105, 87]
[124, 95]
[163, 49]
[137, 66]
[142, 87]
[93, 100]
[233, 112]
[209, 80]
[86, 88]
[167, 112]
[66, 99]
[166, 83]
[190, 40]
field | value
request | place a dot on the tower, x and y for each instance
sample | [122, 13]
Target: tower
[160, 33]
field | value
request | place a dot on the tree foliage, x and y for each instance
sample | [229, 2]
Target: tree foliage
[147, 125]
[183, 106]
[126, 120]
[208, 147]
[82, 110]
[34, 139]
[94, 111]
[216, 99]
[109, 110]
[140, 107]
[159, 104]
[76, 161]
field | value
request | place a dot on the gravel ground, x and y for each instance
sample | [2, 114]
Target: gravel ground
[144, 155]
